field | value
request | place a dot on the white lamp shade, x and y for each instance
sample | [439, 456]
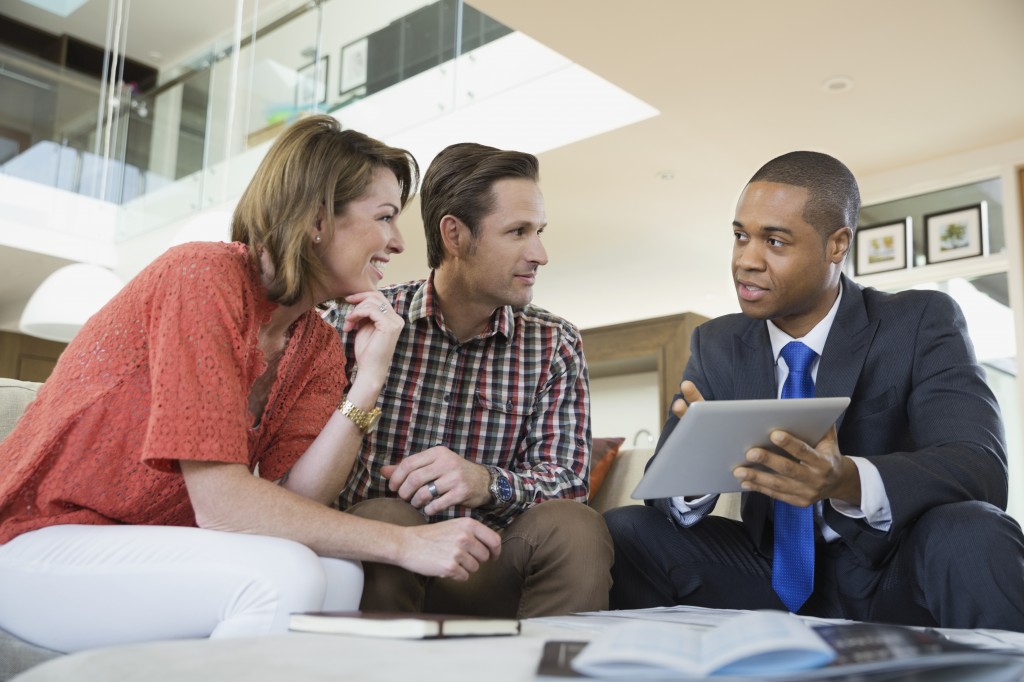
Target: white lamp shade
[66, 299]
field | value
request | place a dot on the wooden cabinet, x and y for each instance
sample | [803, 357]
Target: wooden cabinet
[27, 358]
[660, 344]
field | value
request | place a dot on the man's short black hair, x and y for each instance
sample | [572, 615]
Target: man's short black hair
[834, 200]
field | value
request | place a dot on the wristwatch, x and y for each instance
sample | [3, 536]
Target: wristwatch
[501, 489]
[366, 421]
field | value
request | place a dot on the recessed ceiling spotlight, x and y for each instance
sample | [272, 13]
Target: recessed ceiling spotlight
[666, 175]
[837, 84]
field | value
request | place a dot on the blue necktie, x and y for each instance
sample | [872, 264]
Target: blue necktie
[793, 557]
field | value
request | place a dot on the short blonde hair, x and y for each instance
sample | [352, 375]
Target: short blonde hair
[314, 163]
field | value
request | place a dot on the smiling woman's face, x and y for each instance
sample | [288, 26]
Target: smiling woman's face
[364, 238]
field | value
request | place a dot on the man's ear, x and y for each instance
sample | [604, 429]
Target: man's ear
[455, 235]
[839, 244]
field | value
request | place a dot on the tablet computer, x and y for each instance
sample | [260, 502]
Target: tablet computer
[713, 436]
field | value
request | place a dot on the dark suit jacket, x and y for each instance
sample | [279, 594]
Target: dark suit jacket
[920, 408]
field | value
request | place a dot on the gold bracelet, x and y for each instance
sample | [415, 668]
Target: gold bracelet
[366, 421]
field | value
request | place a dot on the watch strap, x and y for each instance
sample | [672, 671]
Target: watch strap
[366, 421]
[499, 487]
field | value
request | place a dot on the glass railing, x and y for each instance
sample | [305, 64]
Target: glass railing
[48, 130]
[192, 141]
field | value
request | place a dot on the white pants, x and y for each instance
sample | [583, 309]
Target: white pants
[75, 587]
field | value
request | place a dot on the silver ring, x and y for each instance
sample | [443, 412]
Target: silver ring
[432, 488]
[383, 307]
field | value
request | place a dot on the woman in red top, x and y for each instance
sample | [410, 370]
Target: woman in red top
[129, 508]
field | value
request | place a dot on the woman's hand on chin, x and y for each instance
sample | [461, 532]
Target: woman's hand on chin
[377, 328]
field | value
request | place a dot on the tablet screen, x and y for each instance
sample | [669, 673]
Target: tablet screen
[712, 437]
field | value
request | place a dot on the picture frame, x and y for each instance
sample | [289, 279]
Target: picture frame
[354, 62]
[883, 247]
[956, 233]
[311, 87]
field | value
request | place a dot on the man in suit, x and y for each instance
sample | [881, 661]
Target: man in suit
[904, 499]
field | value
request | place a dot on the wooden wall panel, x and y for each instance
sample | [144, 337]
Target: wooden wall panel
[661, 343]
[26, 357]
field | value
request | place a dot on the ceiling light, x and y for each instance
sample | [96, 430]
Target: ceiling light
[67, 298]
[61, 8]
[837, 84]
[511, 93]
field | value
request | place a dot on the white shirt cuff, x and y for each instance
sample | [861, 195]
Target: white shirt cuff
[688, 513]
[874, 503]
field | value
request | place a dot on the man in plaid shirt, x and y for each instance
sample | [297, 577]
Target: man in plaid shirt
[485, 412]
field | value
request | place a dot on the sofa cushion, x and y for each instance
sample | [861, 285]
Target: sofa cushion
[626, 471]
[603, 452]
[14, 398]
[17, 656]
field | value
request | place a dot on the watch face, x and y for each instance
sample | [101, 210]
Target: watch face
[504, 489]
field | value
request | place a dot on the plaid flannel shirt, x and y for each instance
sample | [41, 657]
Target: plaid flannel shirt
[515, 397]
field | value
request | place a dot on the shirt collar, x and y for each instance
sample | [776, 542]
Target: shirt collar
[423, 306]
[814, 339]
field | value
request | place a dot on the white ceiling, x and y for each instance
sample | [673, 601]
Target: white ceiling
[737, 82]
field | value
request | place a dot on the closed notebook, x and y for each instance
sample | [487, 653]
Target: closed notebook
[401, 625]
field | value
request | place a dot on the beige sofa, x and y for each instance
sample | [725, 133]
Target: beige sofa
[626, 470]
[16, 655]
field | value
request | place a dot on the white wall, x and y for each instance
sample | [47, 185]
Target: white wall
[626, 407]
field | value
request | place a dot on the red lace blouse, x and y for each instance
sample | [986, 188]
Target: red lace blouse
[163, 373]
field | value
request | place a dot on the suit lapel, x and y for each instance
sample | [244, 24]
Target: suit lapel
[754, 368]
[846, 347]
[754, 378]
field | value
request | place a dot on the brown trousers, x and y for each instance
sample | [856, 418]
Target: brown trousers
[555, 559]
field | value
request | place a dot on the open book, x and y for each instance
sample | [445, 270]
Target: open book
[772, 644]
[400, 625]
[754, 643]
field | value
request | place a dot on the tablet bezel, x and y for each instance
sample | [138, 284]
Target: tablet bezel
[712, 436]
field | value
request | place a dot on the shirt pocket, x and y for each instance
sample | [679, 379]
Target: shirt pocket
[502, 414]
[509, 403]
[397, 391]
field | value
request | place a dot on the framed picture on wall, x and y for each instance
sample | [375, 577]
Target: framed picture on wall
[959, 233]
[354, 60]
[311, 86]
[882, 247]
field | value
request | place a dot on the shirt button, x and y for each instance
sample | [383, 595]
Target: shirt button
[447, 397]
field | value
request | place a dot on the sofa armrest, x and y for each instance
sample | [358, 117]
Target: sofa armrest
[14, 398]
